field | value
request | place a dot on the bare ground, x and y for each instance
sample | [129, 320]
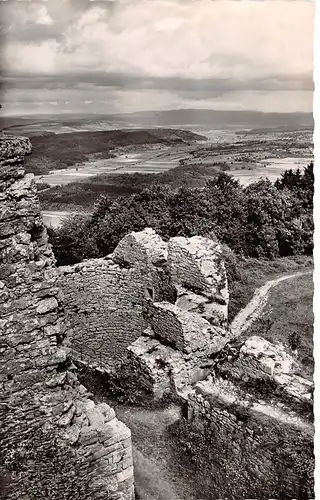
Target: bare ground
[159, 474]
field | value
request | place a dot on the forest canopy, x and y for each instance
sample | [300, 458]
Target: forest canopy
[262, 220]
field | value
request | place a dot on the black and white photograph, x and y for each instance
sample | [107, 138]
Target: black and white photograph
[157, 285]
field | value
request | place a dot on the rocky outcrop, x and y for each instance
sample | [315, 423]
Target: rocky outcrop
[55, 441]
[260, 359]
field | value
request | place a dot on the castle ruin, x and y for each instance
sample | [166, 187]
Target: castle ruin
[55, 441]
[159, 307]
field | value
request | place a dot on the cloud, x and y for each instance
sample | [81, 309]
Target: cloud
[196, 49]
[205, 87]
[166, 38]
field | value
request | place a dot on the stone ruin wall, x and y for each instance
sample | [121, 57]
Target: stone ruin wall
[109, 301]
[105, 300]
[56, 443]
[255, 449]
[164, 307]
[183, 347]
[260, 416]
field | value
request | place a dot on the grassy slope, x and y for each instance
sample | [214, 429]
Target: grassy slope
[245, 275]
[289, 310]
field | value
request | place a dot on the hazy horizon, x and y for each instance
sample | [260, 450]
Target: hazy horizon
[39, 113]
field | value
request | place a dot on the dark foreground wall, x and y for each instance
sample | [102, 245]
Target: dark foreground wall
[250, 424]
[55, 443]
[248, 454]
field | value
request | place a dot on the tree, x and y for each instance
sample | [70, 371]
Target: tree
[289, 179]
[189, 213]
[263, 220]
[73, 241]
[227, 210]
[265, 215]
[301, 184]
[308, 186]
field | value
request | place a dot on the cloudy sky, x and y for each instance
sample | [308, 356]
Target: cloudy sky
[134, 55]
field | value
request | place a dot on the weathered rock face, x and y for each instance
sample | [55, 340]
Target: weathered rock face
[109, 301]
[144, 247]
[258, 357]
[55, 442]
[197, 268]
[185, 331]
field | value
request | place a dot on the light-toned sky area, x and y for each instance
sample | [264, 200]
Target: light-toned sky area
[133, 55]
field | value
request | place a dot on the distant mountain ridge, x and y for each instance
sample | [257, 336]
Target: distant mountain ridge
[212, 119]
[220, 119]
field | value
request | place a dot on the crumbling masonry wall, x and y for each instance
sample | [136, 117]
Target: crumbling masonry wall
[178, 347]
[109, 301]
[56, 443]
[256, 414]
[106, 298]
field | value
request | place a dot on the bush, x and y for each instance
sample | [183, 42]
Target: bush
[74, 241]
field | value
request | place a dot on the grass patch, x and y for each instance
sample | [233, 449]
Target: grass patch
[289, 314]
[247, 274]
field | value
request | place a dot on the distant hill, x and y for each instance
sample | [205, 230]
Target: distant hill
[219, 119]
[57, 151]
[211, 119]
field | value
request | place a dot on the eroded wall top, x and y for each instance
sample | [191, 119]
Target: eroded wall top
[55, 442]
[109, 300]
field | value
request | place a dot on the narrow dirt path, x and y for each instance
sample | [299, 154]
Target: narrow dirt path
[254, 308]
[158, 473]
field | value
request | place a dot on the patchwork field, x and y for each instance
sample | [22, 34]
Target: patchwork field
[77, 159]
[66, 150]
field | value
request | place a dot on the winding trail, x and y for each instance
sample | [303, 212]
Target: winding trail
[159, 473]
[254, 308]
